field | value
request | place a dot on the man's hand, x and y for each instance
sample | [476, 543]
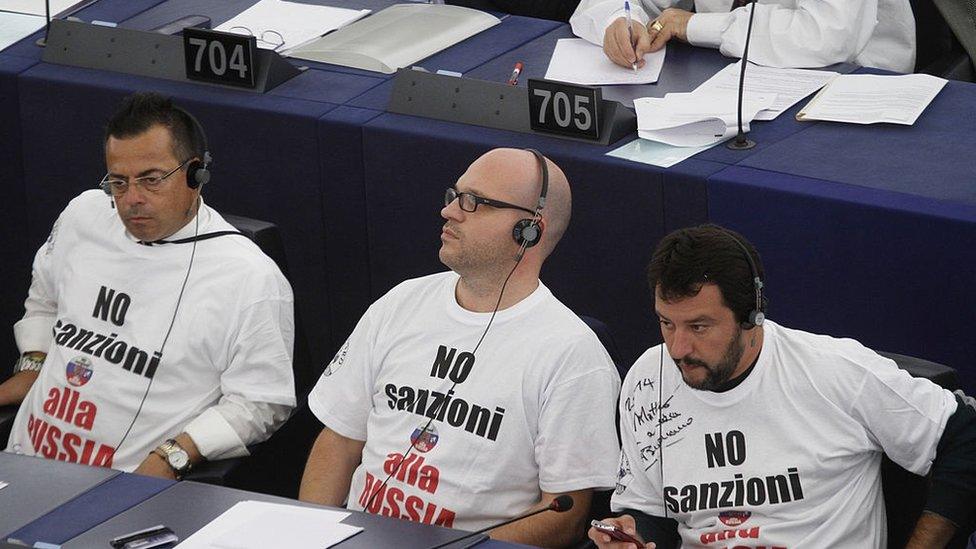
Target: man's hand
[672, 23]
[618, 47]
[155, 466]
[625, 523]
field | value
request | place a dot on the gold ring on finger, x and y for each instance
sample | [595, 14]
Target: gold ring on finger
[657, 26]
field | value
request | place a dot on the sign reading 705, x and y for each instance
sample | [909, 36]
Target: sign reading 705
[567, 109]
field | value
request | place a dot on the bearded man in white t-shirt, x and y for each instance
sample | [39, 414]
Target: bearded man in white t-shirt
[467, 397]
[739, 432]
[155, 335]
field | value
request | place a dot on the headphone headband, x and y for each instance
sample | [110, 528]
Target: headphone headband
[197, 172]
[757, 315]
[527, 232]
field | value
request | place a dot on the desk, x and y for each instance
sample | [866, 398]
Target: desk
[357, 190]
[38, 485]
[188, 506]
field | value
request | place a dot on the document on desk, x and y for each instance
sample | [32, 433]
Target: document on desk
[14, 27]
[696, 119]
[283, 26]
[789, 85]
[654, 153]
[258, 525]
[872, 98]
[36, 7]
[397, 37]
[578, 62]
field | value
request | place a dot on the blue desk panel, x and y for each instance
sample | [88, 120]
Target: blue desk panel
[90, 508]
[894, 271]
[15, 252]
[37, 485]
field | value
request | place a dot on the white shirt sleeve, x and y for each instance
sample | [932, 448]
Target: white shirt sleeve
[638, 478]
[904, 415]
[227, 428]
[258, 386]
[343, 397]
[580, 405]
[815, 33]
[33, 331]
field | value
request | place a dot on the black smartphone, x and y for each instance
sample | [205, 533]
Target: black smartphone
[156, 536]
[616, 533]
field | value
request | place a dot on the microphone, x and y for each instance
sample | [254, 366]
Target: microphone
[560, 504]
[740, 143]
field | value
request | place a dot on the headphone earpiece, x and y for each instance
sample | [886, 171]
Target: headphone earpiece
[198, 171]
[528, 232]
[757, 315]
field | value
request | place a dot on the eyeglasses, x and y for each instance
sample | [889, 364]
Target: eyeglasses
[275, 44]
[150, 183]
[469, 202]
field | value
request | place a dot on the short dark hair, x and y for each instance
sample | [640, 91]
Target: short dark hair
[687, 259]
[141, 111]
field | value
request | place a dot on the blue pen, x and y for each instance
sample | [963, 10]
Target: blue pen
[630, 32]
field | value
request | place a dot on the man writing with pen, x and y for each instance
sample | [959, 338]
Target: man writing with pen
[786, 33]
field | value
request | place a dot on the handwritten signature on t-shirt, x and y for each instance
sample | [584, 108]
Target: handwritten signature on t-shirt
[654, 423]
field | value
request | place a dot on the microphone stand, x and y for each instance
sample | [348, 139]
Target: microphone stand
[42, 41]
[741, 143]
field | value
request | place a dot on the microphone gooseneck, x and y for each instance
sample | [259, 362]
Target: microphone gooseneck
[740, 143]
[559, 504]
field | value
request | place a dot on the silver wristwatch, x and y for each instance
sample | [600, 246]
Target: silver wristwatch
[175, 456]
[29, 362]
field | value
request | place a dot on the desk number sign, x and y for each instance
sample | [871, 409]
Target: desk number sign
[566, 109]
[219, 57]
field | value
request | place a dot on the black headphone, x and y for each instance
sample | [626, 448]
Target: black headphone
[758, 314]
[528, 232]
[197, 171]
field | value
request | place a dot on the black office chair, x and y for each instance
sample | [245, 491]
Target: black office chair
[946, 38]
[246, 472]
[904, 492]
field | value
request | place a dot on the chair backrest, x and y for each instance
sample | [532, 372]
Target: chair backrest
[602, 331]
[268, 238]
[905, 493]
[960, 18]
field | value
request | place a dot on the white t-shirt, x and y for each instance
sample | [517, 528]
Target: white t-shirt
[534, 410]
[110, 302]
[785, 33]
[790, 457]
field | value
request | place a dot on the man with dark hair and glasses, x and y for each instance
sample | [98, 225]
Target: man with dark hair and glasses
[740, 432]
[467, 397]
[154, 336]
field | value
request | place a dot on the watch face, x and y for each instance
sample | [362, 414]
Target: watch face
[178, 459]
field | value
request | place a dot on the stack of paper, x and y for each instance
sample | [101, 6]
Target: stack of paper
[258, 525]
[789, 85]
[282, 25]
[696, 119]
[17, 26]
[578, 62]
[870, 99]
[397, 37]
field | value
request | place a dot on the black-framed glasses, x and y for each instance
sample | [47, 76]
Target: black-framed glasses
[150, 183]
[469, 202]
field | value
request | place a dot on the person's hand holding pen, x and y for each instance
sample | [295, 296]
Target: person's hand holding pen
[626, 41]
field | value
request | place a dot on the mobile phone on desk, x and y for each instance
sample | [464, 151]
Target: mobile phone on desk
[616, 533]
[156, 536]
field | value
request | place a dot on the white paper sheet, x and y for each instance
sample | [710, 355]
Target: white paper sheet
[578, 62]
[871, 98]
[258, 525]
[296, 23]
[15, 27]
[789, 85]
[696, 119]
[36, 7]
[654, 153]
